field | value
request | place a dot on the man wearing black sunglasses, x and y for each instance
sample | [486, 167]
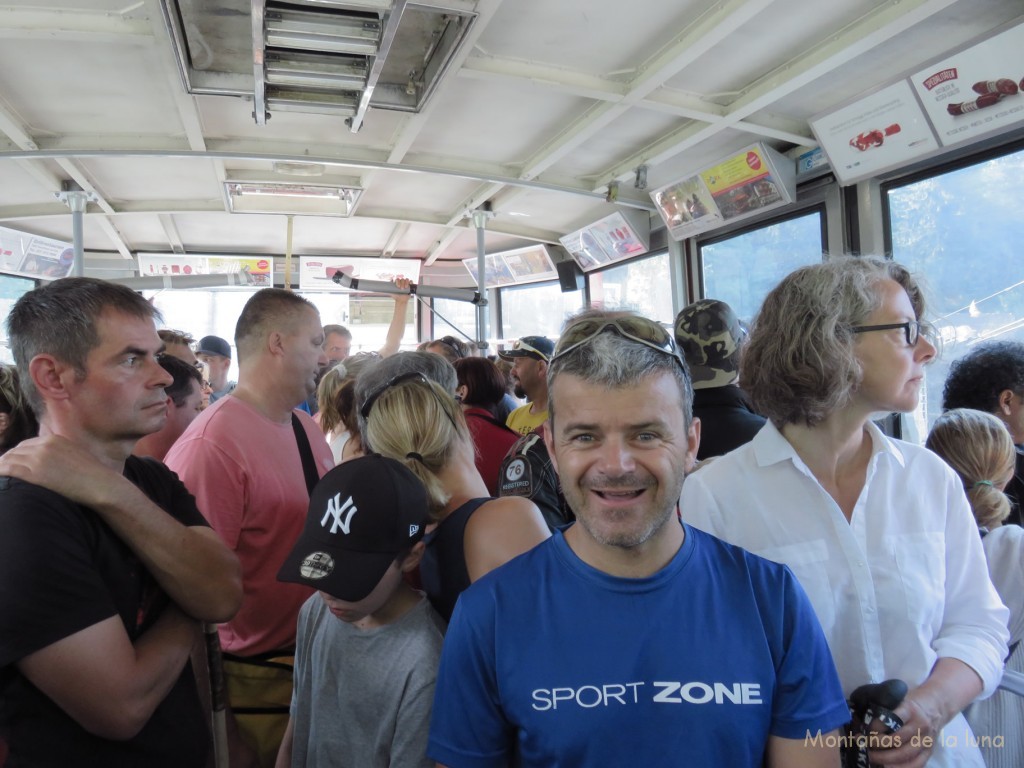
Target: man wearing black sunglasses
[627, 621]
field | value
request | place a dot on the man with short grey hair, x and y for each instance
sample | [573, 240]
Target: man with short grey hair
[628, 621]
[337, 343]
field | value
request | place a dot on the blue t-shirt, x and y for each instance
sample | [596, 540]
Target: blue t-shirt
[549, 662]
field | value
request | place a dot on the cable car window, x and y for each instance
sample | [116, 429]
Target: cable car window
[961, 234]
[537, 310]
[643, 285]
[741, 270]
[203, 313]
[367, 317]
[454, 318]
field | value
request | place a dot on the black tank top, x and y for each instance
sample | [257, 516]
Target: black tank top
[443, 571]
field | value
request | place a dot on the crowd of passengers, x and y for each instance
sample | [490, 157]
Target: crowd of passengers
[399, 562]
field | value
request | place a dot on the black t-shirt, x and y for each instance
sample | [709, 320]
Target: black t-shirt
[1015, 490]
[527, 471]
[62, 569]
[726, 420]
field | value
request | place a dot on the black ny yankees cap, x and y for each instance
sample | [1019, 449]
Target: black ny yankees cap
[362, 514]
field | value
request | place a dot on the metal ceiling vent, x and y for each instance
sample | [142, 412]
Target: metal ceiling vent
[320, 56]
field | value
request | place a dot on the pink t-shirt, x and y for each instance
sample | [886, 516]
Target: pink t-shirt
[246, 474]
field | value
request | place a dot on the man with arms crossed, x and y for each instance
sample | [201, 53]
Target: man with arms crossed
[629, 638]
[105, 563]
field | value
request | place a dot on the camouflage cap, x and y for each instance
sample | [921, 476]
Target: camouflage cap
[709, 335]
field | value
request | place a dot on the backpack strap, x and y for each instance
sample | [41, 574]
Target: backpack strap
[306, 453]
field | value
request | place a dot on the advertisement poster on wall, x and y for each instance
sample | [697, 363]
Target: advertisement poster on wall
[687, 207]
[37, 257]
[522, 265]
[316, 273]
[611, 239]
[885, 130]
[755, 179]
[744, 183]
[976, 91]
[257, 271]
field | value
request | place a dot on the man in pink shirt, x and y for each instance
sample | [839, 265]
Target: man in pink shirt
[241, 459]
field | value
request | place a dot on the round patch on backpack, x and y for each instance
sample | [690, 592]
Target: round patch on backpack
[516, 477]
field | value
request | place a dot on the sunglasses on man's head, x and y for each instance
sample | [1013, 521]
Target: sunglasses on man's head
[638, 329]
[451, 342]
[526, 347]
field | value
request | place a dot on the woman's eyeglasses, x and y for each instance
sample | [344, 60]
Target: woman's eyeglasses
[912, 330]
[394, 381]
[638, 329]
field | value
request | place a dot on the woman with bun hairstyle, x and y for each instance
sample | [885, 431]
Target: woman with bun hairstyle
[980, 450]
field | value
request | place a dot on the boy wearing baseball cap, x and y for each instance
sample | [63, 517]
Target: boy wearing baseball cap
[368, 644]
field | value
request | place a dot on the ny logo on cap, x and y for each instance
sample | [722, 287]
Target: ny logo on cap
[333, 510]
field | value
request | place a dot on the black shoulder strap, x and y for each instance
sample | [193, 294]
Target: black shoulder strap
[308, 464]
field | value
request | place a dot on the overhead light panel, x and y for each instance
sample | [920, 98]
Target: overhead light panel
[290, 198]
[353, 33]
[344, 104]
[310, 70]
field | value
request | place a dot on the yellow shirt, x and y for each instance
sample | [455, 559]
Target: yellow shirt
[524, 422]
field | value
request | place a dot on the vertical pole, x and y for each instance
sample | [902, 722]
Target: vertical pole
[480, 217]
[481, 269]
[75, 198]
[77, 203]
[288, 256]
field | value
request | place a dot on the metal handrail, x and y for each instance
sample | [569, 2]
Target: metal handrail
[1012, 682]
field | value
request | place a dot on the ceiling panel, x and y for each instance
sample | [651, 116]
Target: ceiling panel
[545, 106]
[601, 37]
[146, 179]
[628, 134]
[123, 90]
[496, 125]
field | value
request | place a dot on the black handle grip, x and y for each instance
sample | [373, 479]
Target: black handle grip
[888, 694]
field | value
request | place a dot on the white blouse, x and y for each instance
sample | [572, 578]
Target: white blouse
[901, 584]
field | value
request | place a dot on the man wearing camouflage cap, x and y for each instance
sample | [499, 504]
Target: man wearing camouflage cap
[709, 335]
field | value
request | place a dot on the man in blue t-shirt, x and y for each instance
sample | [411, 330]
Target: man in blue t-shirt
[629, 638]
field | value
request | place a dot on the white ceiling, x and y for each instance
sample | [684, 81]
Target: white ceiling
[547, 103]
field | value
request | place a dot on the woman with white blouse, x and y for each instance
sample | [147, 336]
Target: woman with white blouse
[877, 531]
